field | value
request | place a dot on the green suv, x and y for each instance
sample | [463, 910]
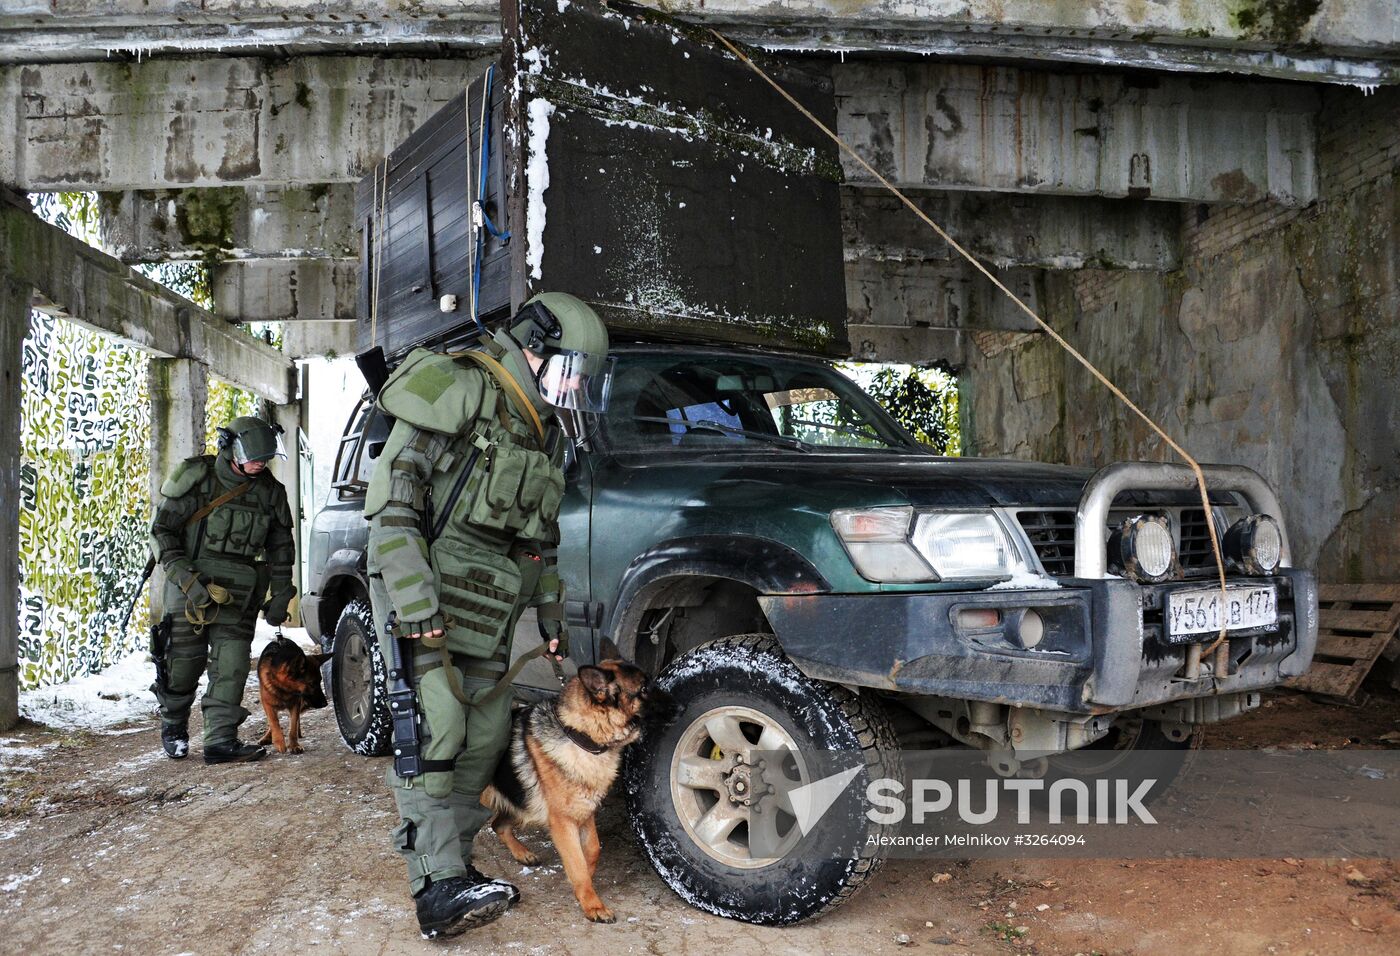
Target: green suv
[805, 576]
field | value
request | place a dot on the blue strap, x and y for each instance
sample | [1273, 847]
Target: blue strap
[480, 192]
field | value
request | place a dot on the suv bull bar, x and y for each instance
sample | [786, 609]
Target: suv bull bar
[1090, 545]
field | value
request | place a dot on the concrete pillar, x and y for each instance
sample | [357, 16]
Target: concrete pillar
[289, 473]
[179, 391]
[15, 299]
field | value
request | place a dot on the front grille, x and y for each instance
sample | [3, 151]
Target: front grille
[1052, 536]
[1194, 544]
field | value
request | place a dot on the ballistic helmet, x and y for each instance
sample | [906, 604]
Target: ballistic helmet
[251, 439]
[572, 340]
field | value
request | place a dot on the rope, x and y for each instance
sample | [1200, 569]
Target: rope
[1059, 340]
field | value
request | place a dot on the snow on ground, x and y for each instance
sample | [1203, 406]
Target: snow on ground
[120, 694]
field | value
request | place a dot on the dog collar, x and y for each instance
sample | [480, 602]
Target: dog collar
[583, 740]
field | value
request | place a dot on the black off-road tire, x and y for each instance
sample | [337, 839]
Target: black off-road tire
[358, 682]
[750, 671]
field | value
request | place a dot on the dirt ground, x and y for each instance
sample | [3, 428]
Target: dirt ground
[106, 846]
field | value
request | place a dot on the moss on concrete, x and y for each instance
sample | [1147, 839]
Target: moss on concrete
[205, 218]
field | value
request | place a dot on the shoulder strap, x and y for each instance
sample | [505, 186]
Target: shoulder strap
[219, 502]
[509, 385]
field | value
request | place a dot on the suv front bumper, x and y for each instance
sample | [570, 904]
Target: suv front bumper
[1104, 647]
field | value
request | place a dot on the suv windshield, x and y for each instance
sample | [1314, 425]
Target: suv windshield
[774, 404]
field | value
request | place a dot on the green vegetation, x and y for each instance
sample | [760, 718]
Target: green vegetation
[923, 400]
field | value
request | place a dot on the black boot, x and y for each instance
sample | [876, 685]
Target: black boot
[175, 738]
[234, 751]
[454, 905]
[512, 891]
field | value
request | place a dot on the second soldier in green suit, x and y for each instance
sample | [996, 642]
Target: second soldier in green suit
[463, 508]
[223, 534]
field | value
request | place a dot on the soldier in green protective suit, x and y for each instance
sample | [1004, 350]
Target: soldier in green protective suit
[223, 534]
[463, 510]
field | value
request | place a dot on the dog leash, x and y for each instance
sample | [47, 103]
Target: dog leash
[454, 682]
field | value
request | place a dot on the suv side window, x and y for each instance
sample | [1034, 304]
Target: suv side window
[364, 435]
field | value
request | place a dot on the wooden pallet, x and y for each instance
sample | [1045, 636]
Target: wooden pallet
[1356, 624]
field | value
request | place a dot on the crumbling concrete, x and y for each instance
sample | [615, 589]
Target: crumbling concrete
[1348, 42]
[1275, 346]
[215, 122]
[231, 222]
[1048, 232]
[80, 283]
[1017, 130]
[279, 290]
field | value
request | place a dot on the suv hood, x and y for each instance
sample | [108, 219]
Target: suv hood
[869, 479]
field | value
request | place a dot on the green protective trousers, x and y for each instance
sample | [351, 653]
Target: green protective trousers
[441, 813]
[224, 647]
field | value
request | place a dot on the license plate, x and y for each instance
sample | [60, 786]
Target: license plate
[1204, 610]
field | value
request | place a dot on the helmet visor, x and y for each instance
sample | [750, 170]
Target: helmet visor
[257, 444]
[576, 380]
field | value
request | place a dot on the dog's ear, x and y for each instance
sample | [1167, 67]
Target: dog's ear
[596, 681]
[607, 651]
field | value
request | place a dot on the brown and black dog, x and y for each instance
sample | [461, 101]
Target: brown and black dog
[290, 680]
[563, 757]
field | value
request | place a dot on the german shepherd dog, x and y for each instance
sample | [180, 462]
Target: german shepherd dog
[563, 757]
[290, 680]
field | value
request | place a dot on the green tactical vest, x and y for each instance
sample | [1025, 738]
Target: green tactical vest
[513, 482]
[235, 531]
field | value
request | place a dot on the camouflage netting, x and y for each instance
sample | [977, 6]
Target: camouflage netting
[84, 500]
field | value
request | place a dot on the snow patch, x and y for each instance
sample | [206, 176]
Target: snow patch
[16, 880]
[105, 701]
[1025, 580]
[536, 181]
[118, 695]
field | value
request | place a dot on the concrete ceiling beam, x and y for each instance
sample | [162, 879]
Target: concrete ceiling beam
[1352, 42]
[281, 290]
[324, 120]
[167, 124]
[1048, 232]
[78, 282]
[304, 340]
[230, 222]
[1094, 134]
[937, 295]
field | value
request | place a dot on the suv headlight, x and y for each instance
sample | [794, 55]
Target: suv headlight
[894, 545]
[1254, 544]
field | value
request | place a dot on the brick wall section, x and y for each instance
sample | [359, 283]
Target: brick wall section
[1358, 139]
[1358, 143]
[1094, 288]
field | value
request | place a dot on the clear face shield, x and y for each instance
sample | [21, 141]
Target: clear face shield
[257, 445]
[577, 381]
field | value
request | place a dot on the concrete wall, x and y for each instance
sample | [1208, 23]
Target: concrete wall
[1276, 345]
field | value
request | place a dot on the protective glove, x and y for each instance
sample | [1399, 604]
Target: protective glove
[195, 591]
[552, 629]
[275, 610]
[428, 628]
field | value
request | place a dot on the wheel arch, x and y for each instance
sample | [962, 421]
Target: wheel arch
[343, 580]
[716, 579]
